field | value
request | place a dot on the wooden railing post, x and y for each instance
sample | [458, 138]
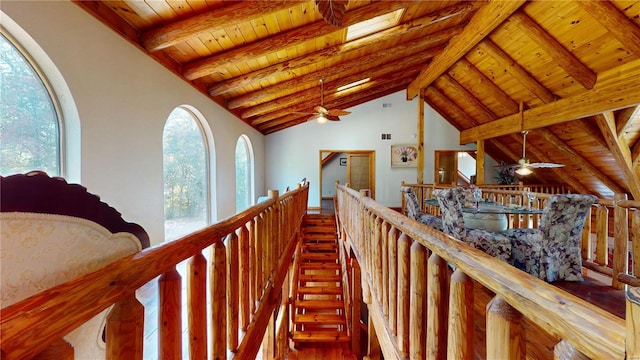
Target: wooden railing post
[57, 350]
[356, 299]
[169, 324]
[437, 305]
[125, 330]
[620, 239]
[197, 306]
[460, 317]
[404, 265]
[633, 323]
[565, 351]
[504, 333]
[393, 280]
[418, 302]
[245, 317]
[218, 300]
[602, 233]
[233, 291]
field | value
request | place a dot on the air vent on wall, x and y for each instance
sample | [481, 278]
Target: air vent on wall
[386, 105]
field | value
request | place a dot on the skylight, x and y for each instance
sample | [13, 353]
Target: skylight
[372, 25]
[353, 84]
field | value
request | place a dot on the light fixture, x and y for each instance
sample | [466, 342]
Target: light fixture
[353, 84]
[523, 171]
[322, 119]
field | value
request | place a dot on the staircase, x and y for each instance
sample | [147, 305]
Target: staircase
[319, 314]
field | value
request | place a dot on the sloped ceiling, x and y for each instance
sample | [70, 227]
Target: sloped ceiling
[573, 66]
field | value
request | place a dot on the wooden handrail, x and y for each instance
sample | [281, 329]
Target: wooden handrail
[30, 326]
[586, 328]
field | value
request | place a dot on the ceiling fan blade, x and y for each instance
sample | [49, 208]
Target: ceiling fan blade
[332, 117]
[304, 113]
[313, 117]
[321, 110]
[545, 165]
[338, 112]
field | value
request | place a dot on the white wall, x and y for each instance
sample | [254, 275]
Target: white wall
[123, 99]
[293, 153]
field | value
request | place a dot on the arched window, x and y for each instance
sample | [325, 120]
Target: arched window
[244, 174]
[29, 116]
[185, 170]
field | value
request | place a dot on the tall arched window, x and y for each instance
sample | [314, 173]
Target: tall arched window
[244, 173]
[185, 170]
[29, 118]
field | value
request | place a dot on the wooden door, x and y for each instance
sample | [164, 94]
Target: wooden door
[360, 174]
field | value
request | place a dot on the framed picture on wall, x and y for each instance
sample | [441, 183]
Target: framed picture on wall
[404, 155]
[343, 161]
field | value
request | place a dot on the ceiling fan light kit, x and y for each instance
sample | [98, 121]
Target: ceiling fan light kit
[322, 114]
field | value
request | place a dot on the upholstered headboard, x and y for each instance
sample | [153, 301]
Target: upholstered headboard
[37, 192]
[52, 232]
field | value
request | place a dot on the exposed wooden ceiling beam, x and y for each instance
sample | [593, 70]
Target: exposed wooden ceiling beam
[610, 96]
[483, 22]
[620, 26]
[218, 62]
[414, 49]
[337, 100]
[461, 94]
[490, 48]
[179, 31]
[624, 119]
[563, 57]
[464, 68]
[294, 66]
[579, 160]
[620, 150]
[407, 63]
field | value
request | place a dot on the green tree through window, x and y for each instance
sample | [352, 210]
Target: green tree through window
[243, 174]
[185, 175]
[29, 128]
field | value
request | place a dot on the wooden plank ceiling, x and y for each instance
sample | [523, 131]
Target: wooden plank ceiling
[573, 65]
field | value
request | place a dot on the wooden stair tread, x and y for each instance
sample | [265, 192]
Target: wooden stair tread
[320, 336]
[319, 256]
[320, 277]
[320, 266]
[320, 290]
[316, 318]
[320, 304]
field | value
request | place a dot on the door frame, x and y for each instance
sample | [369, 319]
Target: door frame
[372, 167]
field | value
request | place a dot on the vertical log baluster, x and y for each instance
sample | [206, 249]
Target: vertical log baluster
[378, 256]
[384, 268]
[602, 233]
[460, 317]
[57, 350]
[635, 241]
[197, 306]
[170, 328]
[253, 270]
[418, 302]
[620, 239]
[585, 239]
[218, 300]
[245, 300]
[404, 265]
[565, 351]
[356, 298]
[504, 332]
[393, 280]
[633, 324]
[233, 286]
[437, 305]
[125, 330]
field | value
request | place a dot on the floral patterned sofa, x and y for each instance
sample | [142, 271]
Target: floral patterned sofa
[414, 212]
[492, 243]
[53, 232]
[552, 251]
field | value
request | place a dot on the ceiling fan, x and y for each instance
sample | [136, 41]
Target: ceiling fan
[524, 166]
[322, 114]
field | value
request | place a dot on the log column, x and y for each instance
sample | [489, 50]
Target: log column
[505, 336]
[197, 306]
[633, 323]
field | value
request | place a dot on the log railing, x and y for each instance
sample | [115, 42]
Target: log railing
[420, 308]
[251, 253]
[614, 228]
